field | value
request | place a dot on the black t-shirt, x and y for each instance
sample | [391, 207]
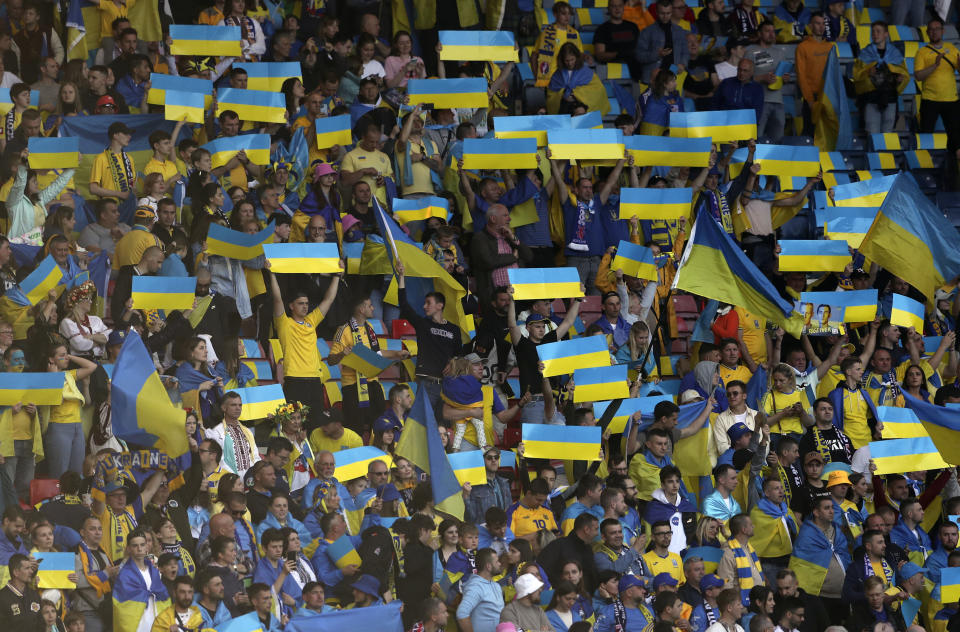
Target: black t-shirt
[804, 498]
[436, 343]
[528, 363]
[841, 449]
[618, 38]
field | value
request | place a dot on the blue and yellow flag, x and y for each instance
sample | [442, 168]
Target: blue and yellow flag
[542, 441]
[859, 306]
[160, 84]
[949, 584]
[156, 292]
[831, 113]
[236, 245]
[494, 153]
[533, 126]
[384, 618]
[913, 239]
[667, 151]
[269, 75]
[895, 456]
[811, 557]
[585, 144]
[76, 43]
[591, 120]
[941, 423]
[851, 230]
[900, 423]
[835, 213]
[294, 258]
[730, 125]
[468, 467]
[342, 553]
[626, 408]
[635, 260]
[259, 401]
[813, 255]
[143, 413]
[53, 153]
[906, 312]
[6, 102]
[863, 194]
[449, 93]
[353, 463]
[54, 571]
[256, 146]
[365, 361]
[253, 105]
[41, 389]
[45, 277]
[421, 209]
[333, 130]
[530, 284]
[184, 106]
[600, 383]
[565, 356]
[497, 46]
[203, 40]
[780, 160]
[709, 554]
[655, 203]
[420, 443]
[887, 141]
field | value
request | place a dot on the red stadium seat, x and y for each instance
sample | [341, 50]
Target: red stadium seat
[402, 328]
[42, 489]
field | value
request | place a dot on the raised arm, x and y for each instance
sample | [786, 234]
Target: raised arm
[558, 178]
[570, 317]
[515, 333]
[278, 309]
[611, 180]
[701, 419]
[331, 293]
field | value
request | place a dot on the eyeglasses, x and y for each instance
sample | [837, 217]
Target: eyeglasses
[663, 533]
[491, 457]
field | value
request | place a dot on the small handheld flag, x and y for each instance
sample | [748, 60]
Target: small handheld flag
[600, 383]
[204, 40]
[253, 105]
[45, 277]
[586, 144]
[478, 46]
[365, 361]
[780, 160]
[160, 84]
[54, 571]
[407, 211]
[468, 467]
[41, 389]
[333, 130]
[635, 260]
[323, 258]
[900, 423]
[184, 106]
[269, 75]
[259, 401]
[813, 255]
[906, 312]
[255, 146]
[896, 456]
[949, 584]
[342, 553]
[667, 151]
[544, 283]
[730, 125]
[578, 443]
[655, 203]
[354, 462]
[236, 245]
[533, 126]
[155, 292]
[449, 93]
[563, 357]
[492, 153]
[53, 153]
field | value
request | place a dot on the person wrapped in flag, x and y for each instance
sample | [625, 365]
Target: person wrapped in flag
[138, 592]
[464, 393]
[575, 84]
[252, 40]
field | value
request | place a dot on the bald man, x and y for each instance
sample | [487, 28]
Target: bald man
[121, 305]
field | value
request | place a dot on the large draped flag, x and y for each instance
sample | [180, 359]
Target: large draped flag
[385, 618]
[76, 32]
[941, 423]
[912, 239]
[831, 113]
[714, 266]
[420, 443]
[142, 411]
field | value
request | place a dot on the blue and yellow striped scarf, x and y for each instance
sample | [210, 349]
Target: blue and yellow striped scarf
[746, 561]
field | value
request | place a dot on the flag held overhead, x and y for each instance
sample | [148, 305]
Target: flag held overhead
[906, 312]
[204, 40]
[422, 209]
[655, 203]
[161, 292]
[269, 75]
[41, 389]
[859, 306]
[668, 151]
[354, 462]
[730, 125]
[236, 245]
[544, 283]
[449, 93]
[564, 356]
[468, 467]
[160, 84]
[259, 401]
[586, 144]
[813, 255]
[323, 258]
[253, 105]
[53, 153]
[493, 153]
[600, 383]
[896, 456]
[635, 260]
[578, 443]
[533, 126]
[184, 106]
[478, 46]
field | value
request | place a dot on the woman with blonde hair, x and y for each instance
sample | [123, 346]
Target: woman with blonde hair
[785, 405]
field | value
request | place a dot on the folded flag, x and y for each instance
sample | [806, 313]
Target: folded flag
[342, 553]
[813, 255]
[533, 126]
[160, 84]
[900, 423]
[54, 571]
[859, 306]
[41, 389]
[333, 130]
[635, 260]
[407, 211]
[530, 284]
[577, 443]
[586, 144]
[478, 46]
[493, 153]
[323, 258]
[162, 292]
[269, 75]
[45, 277]
[655, 203]
[365, 361]
[236, 245]
[259, 401]
[253, 105]
[906, 312]
[668, 151]
[184, 106]
[600, 383]
[865, 193]
[449, 93]
[354, 462]
[730, 125]
[53, 153]
[895, 456]
[255, 146]
[780, 160]
[203, 40]
[468, 467]
[941, 423]
[949, 584]
[564, 356]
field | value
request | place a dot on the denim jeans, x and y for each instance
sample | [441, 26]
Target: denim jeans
[20, 466]
[381, 310]
[909, 12]
[587, 267]
[877, 121]
[772, 121]
[433, 390]
[65, 448]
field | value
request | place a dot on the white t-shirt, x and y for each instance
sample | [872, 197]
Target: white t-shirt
[372, 68]
[725, 70]
[719, 627]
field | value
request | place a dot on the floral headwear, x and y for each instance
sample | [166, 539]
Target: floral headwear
[86, 290]
[286, 410]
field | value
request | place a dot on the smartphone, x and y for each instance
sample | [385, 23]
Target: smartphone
[291, 556]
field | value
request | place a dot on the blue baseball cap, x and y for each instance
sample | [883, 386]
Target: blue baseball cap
[368, 584]
[908, 570]
[737, 430]
[710, 581]
[664, 579]
[629, 581]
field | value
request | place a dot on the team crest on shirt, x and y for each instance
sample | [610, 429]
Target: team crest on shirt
[15, 609]
[34, 606]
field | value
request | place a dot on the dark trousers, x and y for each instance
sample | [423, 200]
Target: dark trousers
[930, 111]
[309, 391]
[360, 418]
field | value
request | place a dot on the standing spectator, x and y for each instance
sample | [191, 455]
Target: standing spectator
[879, 75]
[838, 28]
[616, 39]
[790, 20]
[712, 22]
[628, 611]
[935, 66]
[824, 544]
[114, 172]
[909, 12]
[746, 20]
[366, 162]
[766, 58]
[138, 592]
[740, 566]
[575, 546]
[525, 611]
[494, 493]
[811, 60]
[95, 574]
[551, 39]
[244, 451]
[104, 234]
[482, 603]
[495, 250]
[662, 44]
[65, 443]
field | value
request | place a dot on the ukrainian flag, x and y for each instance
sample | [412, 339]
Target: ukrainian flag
[591, 120]
[900, 423]
[811, 557]
[831, 112]
[383, 617]
[913, 239]
[420, 444]
[256, 146]
[730, 125]
[941, 423]
[530, 284]
[906, 312]
[949, 584]
[635, 260]
[6, 102]
[260, 368]
[333, 130]
[236, 245]
[586, 144]
[563, 357]
[542, 441]
[353, 463]
[184, 106]
[341, 551]
[813, 255]
[353, 253]
[301, 257]
[859, 306]
[494, 153]
[203, 41]
[832, 161]
[868, 193]
[534, 126]
[76, 42]
[42, 389]
[896, 456]
[54, 570]
[160, 84]
[836, 213]
[849, 229]
[667, 151]
[156, 292]
[889, 141]
[259, 401]
[45, 277]
[253, 105]
[468, 467]
[142, 411]
[366, 362]
[449, 93]
[713, 266]
[407, 211]
[269, 75]
[601, 383]
[655, 203]
[54, 153]
[498, 46]
[780, 160]
[709, 554]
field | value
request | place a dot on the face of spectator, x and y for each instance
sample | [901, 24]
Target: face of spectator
[281, 47]
[615, 9]
[370, 24]
[404, 45]
[128, 44]
[731, 354]
[935, 31]
[239, 80]
[664, 14]
[745, 70]
[563, 16]
[882, 361]
[817, 26]
[362, 194]
[230, 126]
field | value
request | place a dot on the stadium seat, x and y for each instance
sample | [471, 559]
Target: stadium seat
[401, 328]
[43, 488]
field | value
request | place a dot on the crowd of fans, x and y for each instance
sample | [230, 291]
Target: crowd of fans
[627, 543]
